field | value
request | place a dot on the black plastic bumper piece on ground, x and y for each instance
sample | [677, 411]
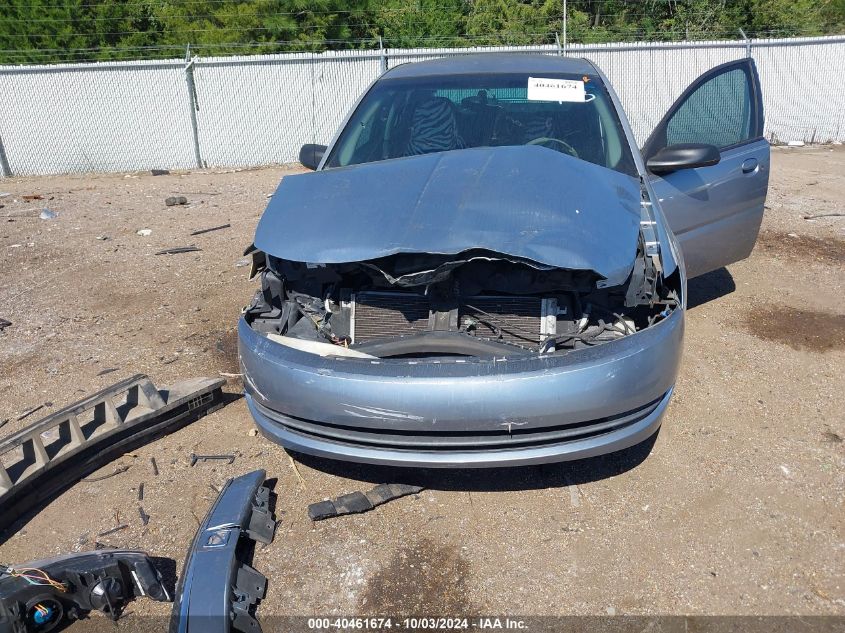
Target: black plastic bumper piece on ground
[43, 459]
[357, 502]
[43, 595]
[218, 592]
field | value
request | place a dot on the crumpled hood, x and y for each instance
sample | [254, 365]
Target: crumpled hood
[527, 202]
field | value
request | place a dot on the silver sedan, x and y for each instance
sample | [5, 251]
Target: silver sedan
[484, 269]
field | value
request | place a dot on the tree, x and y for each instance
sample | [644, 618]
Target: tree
[420, 23]
[79, 30]
[513, 21]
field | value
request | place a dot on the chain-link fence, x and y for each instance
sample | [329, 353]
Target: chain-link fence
[259, 109]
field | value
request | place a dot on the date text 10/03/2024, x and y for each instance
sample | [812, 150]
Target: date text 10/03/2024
[416, 624]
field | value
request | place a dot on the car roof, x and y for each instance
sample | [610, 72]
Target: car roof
[492, 63]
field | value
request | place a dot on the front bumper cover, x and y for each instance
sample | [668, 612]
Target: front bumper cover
[464, 413]
[218, 591]
[275, 430]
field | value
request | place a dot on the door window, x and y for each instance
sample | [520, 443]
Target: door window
[718, 112]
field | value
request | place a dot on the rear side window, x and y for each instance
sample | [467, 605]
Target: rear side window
[718, 112]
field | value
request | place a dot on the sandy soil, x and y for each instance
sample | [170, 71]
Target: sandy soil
[736, 508]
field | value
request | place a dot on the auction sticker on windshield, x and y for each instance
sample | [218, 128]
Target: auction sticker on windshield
[543, 89]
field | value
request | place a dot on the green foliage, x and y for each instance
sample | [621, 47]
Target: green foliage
[410, 24]
[513, 21]
[76, 30]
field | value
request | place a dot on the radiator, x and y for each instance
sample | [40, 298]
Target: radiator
[524, 321]
[378, 315]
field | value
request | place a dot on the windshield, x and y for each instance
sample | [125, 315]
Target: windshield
[406, 117]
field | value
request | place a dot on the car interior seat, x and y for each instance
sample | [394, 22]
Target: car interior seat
[433, 127]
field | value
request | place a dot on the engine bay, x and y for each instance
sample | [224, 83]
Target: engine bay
[476, 304]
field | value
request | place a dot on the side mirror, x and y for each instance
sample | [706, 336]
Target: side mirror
[683, 156]
[310, 155]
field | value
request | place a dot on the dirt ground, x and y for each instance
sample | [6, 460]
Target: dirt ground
[736, 508]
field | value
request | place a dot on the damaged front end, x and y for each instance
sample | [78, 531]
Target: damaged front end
[477, 304]
[546, 329]
[490, 252]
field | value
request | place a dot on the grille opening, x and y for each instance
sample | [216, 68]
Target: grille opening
[380, 315]
[520, 321]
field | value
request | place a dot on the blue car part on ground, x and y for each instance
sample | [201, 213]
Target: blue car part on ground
[218, 591]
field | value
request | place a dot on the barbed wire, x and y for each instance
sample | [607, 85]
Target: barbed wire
[381, 12]
[59, 55]
[536, 20]
[42, 6]
[730, 33]
[610, 28]
[263, 26]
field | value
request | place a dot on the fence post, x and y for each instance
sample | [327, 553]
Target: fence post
[193, 103]
[4, 161]
[313, 66]
[747, 43]
[383, 55]
[565, 25]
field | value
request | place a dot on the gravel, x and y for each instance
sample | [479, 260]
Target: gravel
[735, 508]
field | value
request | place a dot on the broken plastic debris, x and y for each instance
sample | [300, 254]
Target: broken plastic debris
[357, 502]
[213, 228]
[178, 249]
[823, 215]
[29, 412]
[145, 232]
[795, 144]
[46, 214]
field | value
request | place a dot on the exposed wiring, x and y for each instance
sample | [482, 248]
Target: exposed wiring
[587, 339]
[626, 328]
[35, 576]
[629, 329]
[506, 327]
[321, 324]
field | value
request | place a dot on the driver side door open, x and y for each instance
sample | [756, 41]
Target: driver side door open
[715, 211]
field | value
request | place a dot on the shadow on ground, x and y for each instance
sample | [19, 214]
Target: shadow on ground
[708, 287]
[491, 479]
